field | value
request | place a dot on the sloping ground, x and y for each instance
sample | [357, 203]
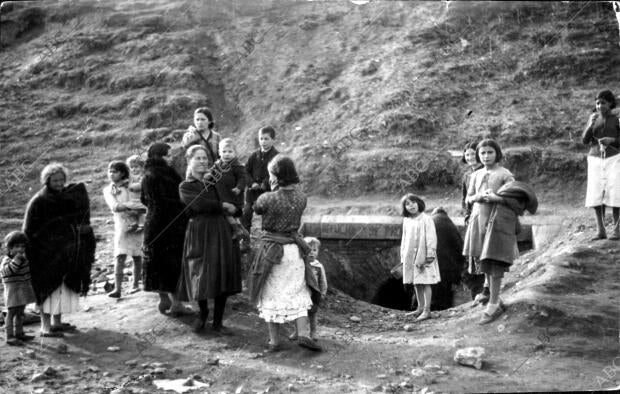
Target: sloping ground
[366, 98]
[97, 81]
[560, 333]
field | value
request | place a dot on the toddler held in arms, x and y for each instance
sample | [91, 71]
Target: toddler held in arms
[136, 212]
[229, 178]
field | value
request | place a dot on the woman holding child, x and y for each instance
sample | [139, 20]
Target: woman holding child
[61, 249]
[282, 283]
[163, 230]
[211, 259]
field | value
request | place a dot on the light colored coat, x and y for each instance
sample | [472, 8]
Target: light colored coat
[125, 242]
[419, 241]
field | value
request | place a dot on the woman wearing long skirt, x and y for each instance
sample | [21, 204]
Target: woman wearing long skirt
[211, 258]
[282, 284]
[62, 249]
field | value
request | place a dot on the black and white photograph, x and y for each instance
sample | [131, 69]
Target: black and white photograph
[309, 196]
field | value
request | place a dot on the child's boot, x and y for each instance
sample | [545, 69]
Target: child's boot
[10, 337]
[118, 284]
[19, 329]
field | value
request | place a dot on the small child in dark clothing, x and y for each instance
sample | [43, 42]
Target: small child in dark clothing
[258, 176]
[229, 178]
[18, 291]
[321, 278]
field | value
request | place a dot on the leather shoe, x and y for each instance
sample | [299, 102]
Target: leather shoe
[309, 344]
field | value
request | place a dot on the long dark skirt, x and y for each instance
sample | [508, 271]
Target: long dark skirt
[163, 252]
[211, 260]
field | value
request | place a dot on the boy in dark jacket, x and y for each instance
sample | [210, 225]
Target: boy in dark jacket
[256, 168]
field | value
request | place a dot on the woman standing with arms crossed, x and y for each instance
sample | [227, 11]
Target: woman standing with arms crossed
[211, 260]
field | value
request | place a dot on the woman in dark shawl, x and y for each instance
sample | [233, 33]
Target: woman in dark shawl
[62, 247]
[163, 230]
[211, 259]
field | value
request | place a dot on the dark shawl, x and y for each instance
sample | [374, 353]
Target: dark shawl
[62, 243]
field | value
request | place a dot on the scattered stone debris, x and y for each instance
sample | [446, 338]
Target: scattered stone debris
[49, 371]
[470, 356]
[159, 371]
[113, 349]
[121, 390]
[418, 372]
[179, 385]
[408, 327]
[213, 361]
[62, 349]
[355, 319]
[37, 377]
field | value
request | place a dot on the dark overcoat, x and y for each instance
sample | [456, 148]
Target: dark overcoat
[164, 227]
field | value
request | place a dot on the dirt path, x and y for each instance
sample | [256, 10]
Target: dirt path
[560, 333]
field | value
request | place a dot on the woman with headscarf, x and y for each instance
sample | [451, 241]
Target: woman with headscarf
[163, 229]
[211, 259]
[62, 247]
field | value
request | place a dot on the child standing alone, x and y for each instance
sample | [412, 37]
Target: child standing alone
[418, 253]
[319, 273]
[126, 242]
[602, 135]
[18, 291]
[482, 190]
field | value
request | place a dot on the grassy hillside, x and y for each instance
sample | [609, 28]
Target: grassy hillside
[367, 99]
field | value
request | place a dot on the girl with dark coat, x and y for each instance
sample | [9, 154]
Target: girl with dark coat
[57, 223]
[163, 229]
[211, 259]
